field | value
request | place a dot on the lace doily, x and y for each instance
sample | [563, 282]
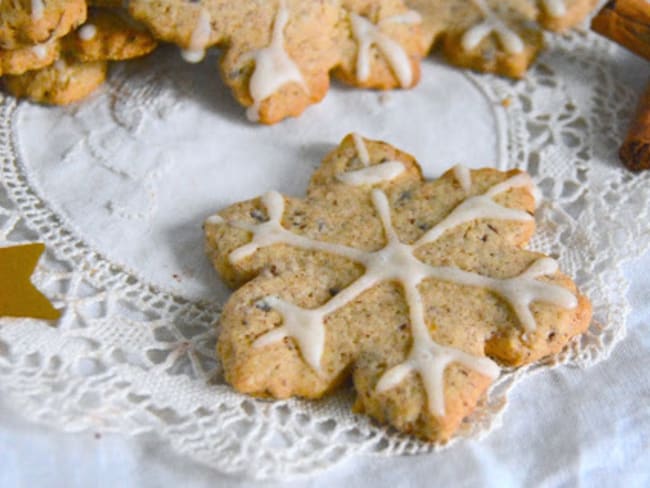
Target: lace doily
[134, 350]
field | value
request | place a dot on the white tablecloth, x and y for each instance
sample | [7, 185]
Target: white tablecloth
[588, 428]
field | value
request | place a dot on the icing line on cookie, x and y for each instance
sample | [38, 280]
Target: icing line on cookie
[87, 32]
[480, 207]
[555, 8]
[40, 50]
[368, 34]
[362, 150]
[38, 9]
[491, 23]
[370, 175]
[199, 39]
[464, 177]
[397, 262]
[273, 66]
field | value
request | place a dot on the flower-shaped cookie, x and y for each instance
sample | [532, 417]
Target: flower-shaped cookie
[417, 289]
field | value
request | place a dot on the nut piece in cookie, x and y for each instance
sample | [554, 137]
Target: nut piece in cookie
[64, 82]
[29, 22]
[420, 290]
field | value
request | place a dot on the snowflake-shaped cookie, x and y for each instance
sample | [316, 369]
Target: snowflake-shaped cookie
[418, 289]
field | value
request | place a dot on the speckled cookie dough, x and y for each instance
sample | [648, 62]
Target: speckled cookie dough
[419, 290]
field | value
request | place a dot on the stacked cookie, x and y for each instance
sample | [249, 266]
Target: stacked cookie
[57, 51]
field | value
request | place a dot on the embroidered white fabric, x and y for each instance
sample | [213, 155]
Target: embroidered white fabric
[118, 187]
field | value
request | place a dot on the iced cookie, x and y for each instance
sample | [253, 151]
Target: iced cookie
[380, 45]
[498, 36]
[560, 15]
[64, 82]
[420, 290]
[28, 22]
[278, 54]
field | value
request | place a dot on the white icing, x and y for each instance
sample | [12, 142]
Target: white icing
[398, 262]
[370, 175]
[272, 232]
[368, 34]
[60, 64]
[273, 67]
[373, 174]
[555, 8]
[38, 9]
[87, 32]
[362, 150]
[537, 195]
[480, 207]
[199, 39]
[40, 51]
[491, 23]
[464, 177]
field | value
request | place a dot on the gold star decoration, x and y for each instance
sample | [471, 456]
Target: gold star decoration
[18, 296]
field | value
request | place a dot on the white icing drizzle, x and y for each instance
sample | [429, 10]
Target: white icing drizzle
[38, 9]
[480, 207]
[273, 66]
[374, 174]
[537, 195]
[199, 39]
[40, 50]
[397, 262]
[370, 175]
[368, 34]
[555, 8]
[87, 32]
[464, 177]
[491, 23]
[362, 150]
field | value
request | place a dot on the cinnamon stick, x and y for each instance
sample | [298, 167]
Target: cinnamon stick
[626, 22]
[635, 151]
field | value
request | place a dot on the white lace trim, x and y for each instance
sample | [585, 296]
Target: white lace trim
[130, 358]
